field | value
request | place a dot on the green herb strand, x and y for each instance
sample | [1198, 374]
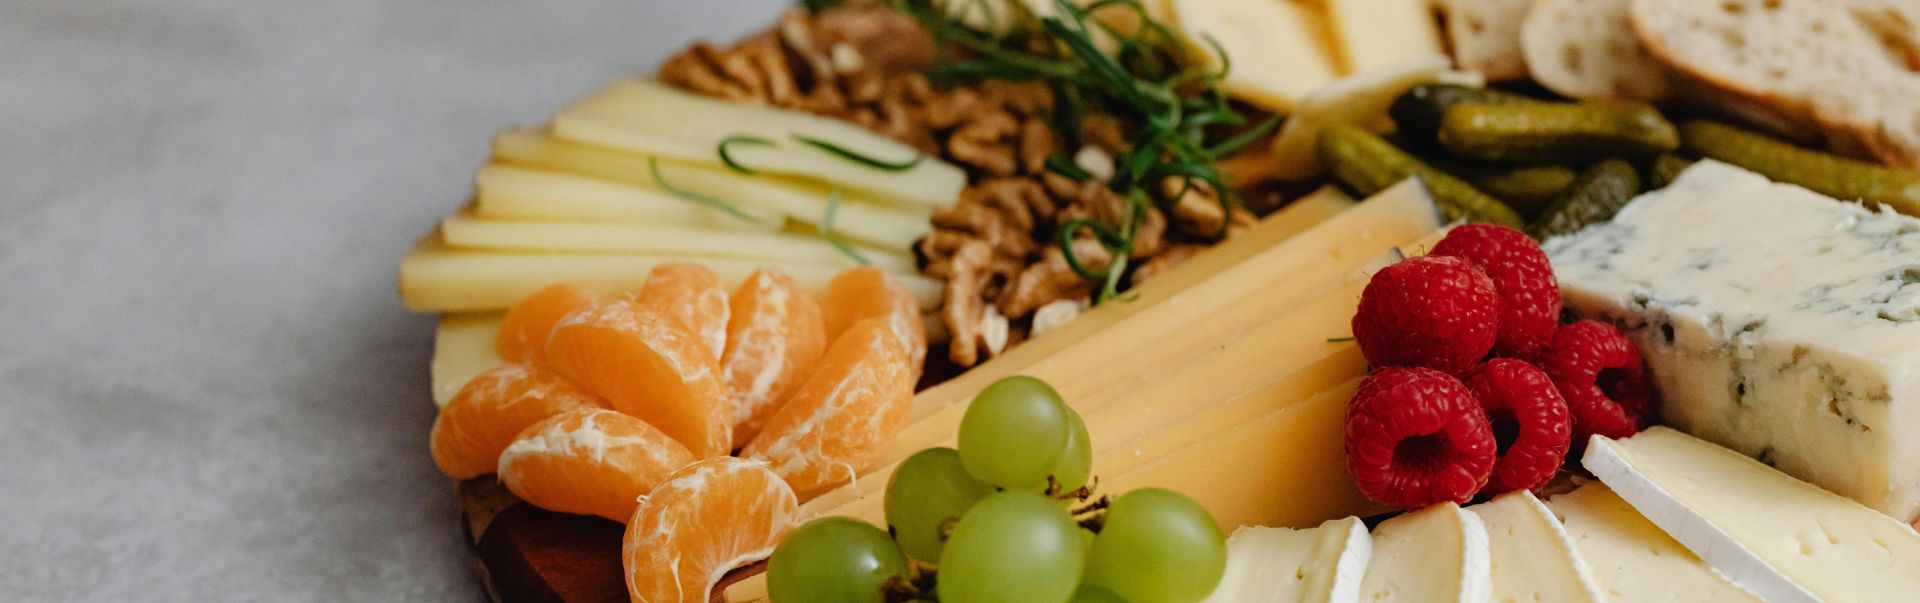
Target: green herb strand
[653, 166]
[826, 230]
[856, 157]
[740, 139]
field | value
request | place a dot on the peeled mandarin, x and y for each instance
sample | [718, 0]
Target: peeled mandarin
[523, 334]
[590, 462]
[646, 365]
[692, 294]
[483, 418]
[867, 292]
[701, 522]
[774, 338]
[850, 407]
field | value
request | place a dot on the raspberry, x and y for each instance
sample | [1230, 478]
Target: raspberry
[1529, 297]
[1436, 312]
[1416, 436]
[1530, 423]
[1600, 374]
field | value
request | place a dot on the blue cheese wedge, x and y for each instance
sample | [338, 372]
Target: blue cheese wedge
[1777, 322]
[1633, 560]
[1786, 540]
[1532, 557]
[1435, 554]
[1278, 565]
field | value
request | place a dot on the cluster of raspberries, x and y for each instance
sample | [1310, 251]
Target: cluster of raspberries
[1477, 388]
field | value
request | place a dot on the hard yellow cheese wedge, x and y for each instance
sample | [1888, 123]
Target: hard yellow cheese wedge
[1280, 49]
[1374, 33]
[464, 230]
[462, 348]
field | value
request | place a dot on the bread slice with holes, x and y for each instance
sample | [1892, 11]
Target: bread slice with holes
[1586, 49]
[1852, 67]
[1485, 36]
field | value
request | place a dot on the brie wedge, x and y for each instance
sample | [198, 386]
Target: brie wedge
[1280, 565]
[1632, 559]
[1782, 538]
[1533, 560]
[1434, 554]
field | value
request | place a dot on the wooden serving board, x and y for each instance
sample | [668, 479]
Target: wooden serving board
[525, 554]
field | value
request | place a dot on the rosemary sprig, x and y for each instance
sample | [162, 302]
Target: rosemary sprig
[857, 157]
[740, 139]
[653, 167]
[833, 238]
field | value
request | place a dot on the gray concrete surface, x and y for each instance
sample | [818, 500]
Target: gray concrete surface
[207, 389]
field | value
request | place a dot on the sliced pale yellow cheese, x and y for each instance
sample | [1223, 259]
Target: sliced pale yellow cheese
[519, 193]
[1631, 558]
[1370, 34]
[1361, 98]
[434, 278]
[859, 217]
[465, 231]
[462, 348]
[645, 116]
[1533, 558]
[1280, 49]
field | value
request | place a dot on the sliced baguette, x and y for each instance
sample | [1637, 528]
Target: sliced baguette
[1485, 36]
[1848, 66]
[1586, 49]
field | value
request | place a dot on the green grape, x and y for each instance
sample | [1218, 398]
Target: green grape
[1157, 546]
[1014, 432]
[927, 489]
[1095, 594]
[1077, 464]
[1012, 547]
[834, 559]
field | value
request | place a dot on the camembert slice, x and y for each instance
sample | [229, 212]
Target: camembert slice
[1280, 565]
[1434, 554]
[1782, 538]
[1533, 559]
[1631, 558]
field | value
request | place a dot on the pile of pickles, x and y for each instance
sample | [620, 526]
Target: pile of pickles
[1553, 168]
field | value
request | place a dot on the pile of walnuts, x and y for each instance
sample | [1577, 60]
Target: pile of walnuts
[997, 248]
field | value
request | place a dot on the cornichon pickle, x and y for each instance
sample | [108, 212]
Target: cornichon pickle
[1823, 173]
[1664, 168]
[1595, 196]
[1556, 132]
[1528, 188]
[1416, 113]
[1369, 164]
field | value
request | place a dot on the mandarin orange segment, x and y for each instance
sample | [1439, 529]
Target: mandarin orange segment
[692, 294]
[774, 338]
[705, 519]
[523, 334]
[867, 292]
[590, 462]
[646, 365]
[484, 417]
[850, 408]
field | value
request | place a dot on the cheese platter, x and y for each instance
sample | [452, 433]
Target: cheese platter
[1238, 300]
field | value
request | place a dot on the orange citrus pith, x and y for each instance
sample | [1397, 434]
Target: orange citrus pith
[774, 337]
[591, 462]
[692, 294]
[867, 292]
[646, 365]
[523, 335]
[855, 400]
[481, 420]
[700, 522]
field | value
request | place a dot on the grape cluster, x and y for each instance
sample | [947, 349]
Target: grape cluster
[1008, 517]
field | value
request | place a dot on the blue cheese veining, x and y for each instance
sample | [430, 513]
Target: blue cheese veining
[1776, 321]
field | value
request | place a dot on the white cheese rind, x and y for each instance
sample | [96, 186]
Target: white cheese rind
[1322, 564]
[1532, 557]
[1438, 553]
[1775, 321]
[1633, 560]
[1784, 539]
